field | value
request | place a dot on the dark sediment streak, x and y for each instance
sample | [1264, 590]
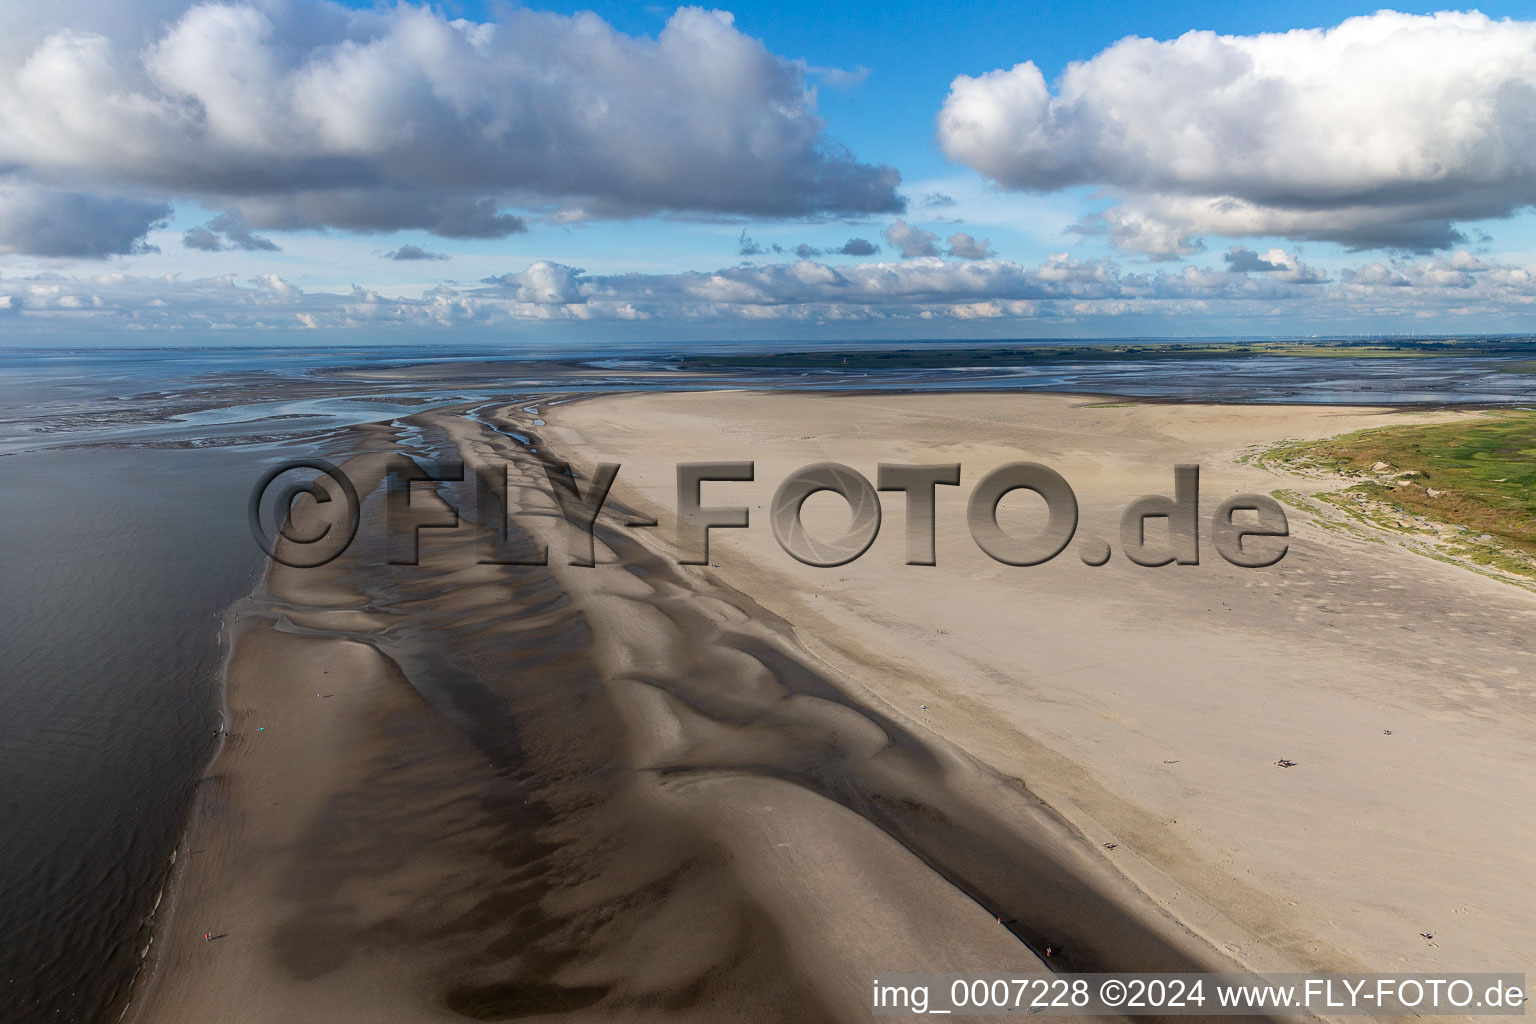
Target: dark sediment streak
[902, 789]
[544, 817]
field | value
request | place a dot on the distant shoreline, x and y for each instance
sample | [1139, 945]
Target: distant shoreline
[1045, 354]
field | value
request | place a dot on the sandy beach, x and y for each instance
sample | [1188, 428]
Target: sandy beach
[1149, 706]
[740, 790]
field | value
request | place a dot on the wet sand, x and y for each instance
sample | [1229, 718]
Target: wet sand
[475, 791]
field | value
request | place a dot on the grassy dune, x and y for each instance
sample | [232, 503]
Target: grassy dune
[1477, 477]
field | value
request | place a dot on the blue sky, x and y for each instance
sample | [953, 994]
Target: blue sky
[183, 174]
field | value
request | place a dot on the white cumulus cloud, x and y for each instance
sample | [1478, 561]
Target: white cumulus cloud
[307, 114]
[1272, 287]
[1384, 131]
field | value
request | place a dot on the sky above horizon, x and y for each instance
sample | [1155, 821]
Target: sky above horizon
[299, 171]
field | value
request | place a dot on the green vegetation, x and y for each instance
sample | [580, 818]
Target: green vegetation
[1321, 518]
[1470, 485]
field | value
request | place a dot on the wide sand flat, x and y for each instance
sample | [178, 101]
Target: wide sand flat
[1149, 706]
[650, 792]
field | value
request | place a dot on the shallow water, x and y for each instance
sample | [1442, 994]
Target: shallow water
[117, 567]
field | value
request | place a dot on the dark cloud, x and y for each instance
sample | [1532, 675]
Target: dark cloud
[56, 222]
[911, 242]
[202, 239]
[226, 232]
[937, 201]
[414, 252]
[1246, 261]
[966, 247]
[745, 246]
[383, 210]
[1276, 262]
